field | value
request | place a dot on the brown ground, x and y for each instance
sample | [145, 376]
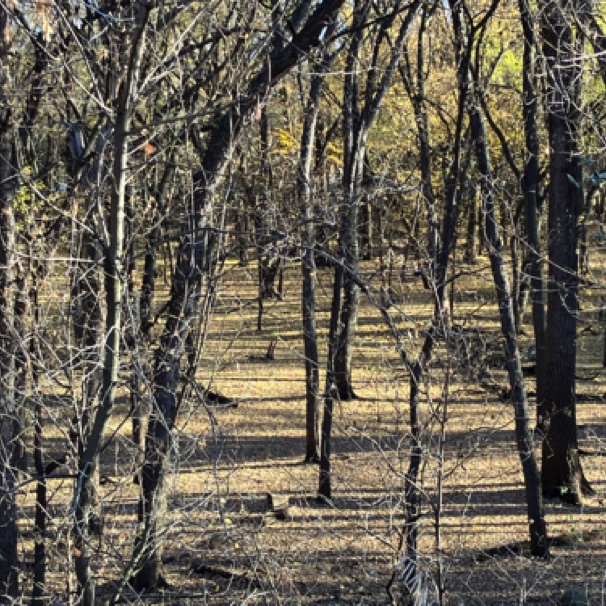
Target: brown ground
[224, 545]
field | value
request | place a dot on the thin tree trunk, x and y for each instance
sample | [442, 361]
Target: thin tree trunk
[524, 436]
[113, 266]
[9, 583]
[357, 123]
[308, 268]
[530, 182]
[415, 87]
[9, 573]
[40, 516]
[325, 479]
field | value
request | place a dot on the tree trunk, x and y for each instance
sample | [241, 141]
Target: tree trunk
[357, 123]
[562, 473]
[530, 183]
[349, 253]
[325, 479]
[9, 572]
[113, 266]
[532, 480]
[308, 268]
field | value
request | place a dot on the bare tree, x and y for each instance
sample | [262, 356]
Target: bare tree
[562, 473]
[194, 261]
[357, 123]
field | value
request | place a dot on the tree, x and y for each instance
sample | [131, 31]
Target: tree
[539, 544]
[194, 261]
[308, 264]
[9, 577]
[132, 45]
[530, 184]
[562, 474]
[357, 122]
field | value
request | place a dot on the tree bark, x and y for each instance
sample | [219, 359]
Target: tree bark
[9, 584]
[532, 480]
[562, 473]
[9, 573]
[325, 478]
[113, 266]
[357, 123]
[308, 267]
[530, 183]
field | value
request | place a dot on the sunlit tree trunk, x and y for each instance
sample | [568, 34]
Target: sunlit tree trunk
[308, 267]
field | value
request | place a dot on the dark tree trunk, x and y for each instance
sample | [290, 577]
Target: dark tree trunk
[530, 183]
[308, 268]
[40, 516]
[141, 408]
[412, 494]
[415, 88]
[409, 573]
[472, 230]
[9, 572]
[353, 167]
[325, 479]
[562, 473]
[357, 123]
[131, 45]
[524, 436]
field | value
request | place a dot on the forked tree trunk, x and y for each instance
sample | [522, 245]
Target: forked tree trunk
[357, 122]
[408, 571]
[354, 140]
[114, 271]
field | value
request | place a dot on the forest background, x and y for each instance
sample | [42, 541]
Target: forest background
[302, 301]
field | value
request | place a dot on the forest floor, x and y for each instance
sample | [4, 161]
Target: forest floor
[243, 525]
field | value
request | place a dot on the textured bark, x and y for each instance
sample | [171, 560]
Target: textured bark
[562, 473]
[357, 123]
[113, 265]
[408, 565]
[325, 479]
[9, 585]
[414, 83]
[354, 146]
[313, 402]
[9, 574]
[524, 435]
[530, 183]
